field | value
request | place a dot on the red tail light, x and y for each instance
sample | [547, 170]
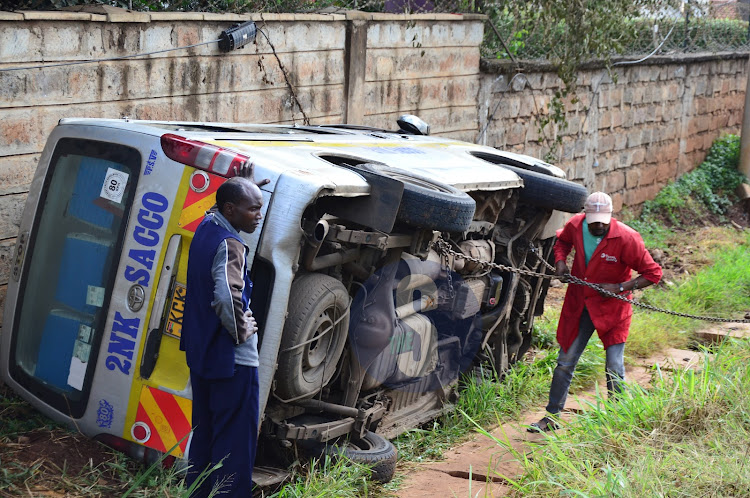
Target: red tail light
[202, 155]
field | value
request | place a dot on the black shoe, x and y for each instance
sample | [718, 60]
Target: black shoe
[546, 424]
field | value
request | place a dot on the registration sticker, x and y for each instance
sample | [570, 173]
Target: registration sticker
[114, 185]
[82, 351]
[176, 310]
[84, 333]
[95, 296]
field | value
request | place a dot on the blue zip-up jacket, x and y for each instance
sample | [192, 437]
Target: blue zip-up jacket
[218, 294]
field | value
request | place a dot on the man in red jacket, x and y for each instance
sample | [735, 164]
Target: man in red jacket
[606, 252]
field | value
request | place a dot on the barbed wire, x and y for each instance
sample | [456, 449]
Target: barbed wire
[697, 27]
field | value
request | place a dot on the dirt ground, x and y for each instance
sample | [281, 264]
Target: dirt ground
[52, 455]
[474, 468]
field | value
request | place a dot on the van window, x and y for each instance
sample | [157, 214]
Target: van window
[70, 269]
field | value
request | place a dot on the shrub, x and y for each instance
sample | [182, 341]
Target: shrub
[707, 189]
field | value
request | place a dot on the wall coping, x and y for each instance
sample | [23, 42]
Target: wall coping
[506, 66]
[105, 13]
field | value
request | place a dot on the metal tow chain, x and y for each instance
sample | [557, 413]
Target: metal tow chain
[445, 249]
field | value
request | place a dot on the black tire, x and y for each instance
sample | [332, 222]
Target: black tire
[550, 192]
[372, 450]
[427, 203]
[307, 364]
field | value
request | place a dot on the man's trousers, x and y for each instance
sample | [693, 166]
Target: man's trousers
[225, 429]
[566, 365]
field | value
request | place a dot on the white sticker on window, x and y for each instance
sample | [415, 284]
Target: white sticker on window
[84, 333]
[82, 351]
[114, 185]
[76, 374]
[95, 296]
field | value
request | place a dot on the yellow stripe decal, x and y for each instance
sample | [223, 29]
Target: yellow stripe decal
[196, 210]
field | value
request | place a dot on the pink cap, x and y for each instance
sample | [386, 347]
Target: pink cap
[598, 208]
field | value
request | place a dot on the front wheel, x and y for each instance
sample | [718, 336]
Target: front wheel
[428, 203]
[550, 192]
[372, 450]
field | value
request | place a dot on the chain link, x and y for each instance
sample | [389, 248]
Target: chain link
[443, 248]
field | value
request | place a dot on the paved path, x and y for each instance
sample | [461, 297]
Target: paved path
[476, 467]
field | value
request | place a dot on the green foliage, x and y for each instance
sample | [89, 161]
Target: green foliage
[707, 189]
[571, 31]
[236, 6]
[566, 33]
[721, 288]
[219, 6]
[699, 33]
[545, 329]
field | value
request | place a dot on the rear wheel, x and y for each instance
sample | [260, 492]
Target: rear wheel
[427, 203]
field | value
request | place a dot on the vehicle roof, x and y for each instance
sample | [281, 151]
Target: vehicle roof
[278, 149]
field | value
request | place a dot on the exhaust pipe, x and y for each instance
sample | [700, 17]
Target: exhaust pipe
[318, 236]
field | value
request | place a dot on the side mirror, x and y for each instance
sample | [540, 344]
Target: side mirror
[412, 125]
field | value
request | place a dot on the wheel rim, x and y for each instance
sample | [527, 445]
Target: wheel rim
[317, 351]
[361, 444]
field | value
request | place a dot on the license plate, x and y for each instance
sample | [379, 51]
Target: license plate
[176, 310]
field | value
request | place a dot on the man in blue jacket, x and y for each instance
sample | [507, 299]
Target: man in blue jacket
[220, 343]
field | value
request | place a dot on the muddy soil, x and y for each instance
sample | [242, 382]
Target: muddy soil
[52, 461]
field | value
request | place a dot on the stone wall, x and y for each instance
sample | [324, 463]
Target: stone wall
[353, 67]
[430, 69]
[628, 137]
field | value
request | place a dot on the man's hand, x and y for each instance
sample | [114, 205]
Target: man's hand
[246, 170]
[613, 288]
[561, 269]
[250, 323]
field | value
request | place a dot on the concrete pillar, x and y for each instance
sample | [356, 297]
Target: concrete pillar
[355, 65]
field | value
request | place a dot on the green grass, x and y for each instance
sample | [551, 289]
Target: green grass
[108, 472]
[489, 400]
[721, 289]
[328, 477]
[686, 436]
[646, 445]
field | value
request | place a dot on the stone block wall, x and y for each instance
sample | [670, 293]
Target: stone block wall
[353, 67]
[628, 135]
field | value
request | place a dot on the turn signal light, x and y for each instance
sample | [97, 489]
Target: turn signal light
[201, 155]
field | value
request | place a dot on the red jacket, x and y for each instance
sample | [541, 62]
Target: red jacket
[621, 251]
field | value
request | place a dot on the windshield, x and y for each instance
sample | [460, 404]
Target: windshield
[69, 269]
